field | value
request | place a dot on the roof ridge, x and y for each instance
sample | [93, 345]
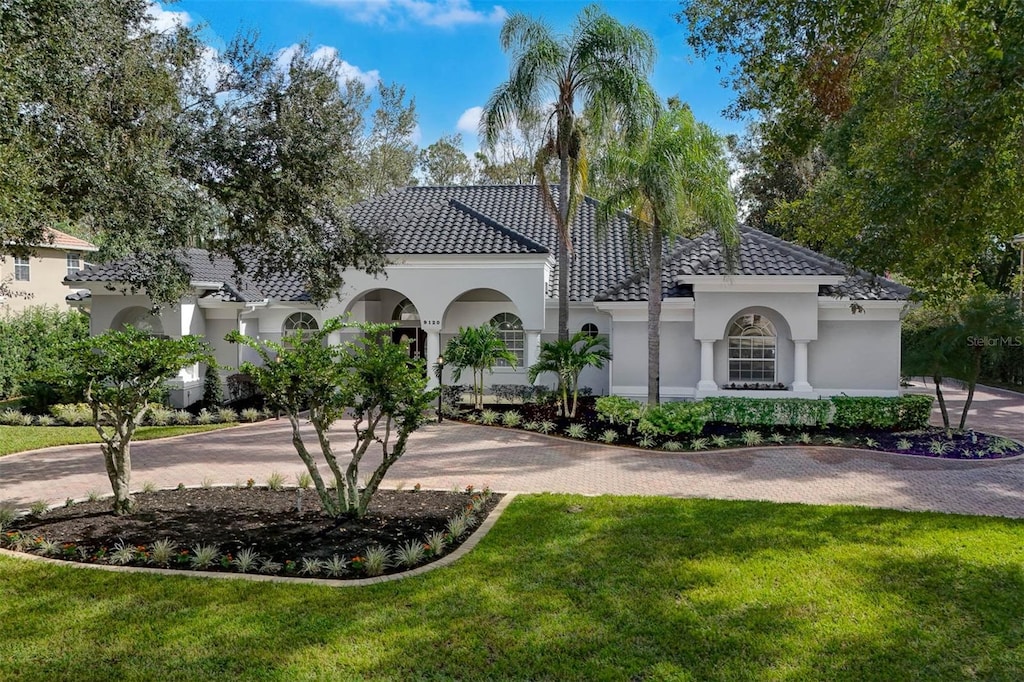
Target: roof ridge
[494, 224]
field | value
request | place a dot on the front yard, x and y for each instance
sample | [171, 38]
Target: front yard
[21, 438]
[571, 587]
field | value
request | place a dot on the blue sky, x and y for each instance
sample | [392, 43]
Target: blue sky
[446, 52]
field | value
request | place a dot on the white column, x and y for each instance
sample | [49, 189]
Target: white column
[433, 351]
[800, 366]
[532, 347]
[707, 366]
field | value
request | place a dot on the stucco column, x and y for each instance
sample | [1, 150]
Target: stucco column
[707, 366]
[800, 366]
[433, 350]
[532, 347]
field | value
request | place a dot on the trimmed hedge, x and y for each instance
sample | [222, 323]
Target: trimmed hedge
[675, 419]
[904, 413]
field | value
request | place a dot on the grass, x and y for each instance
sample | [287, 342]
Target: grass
[21, 438]
[626, 588]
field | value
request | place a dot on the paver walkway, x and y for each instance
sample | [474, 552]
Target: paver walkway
[452, 454]
[993, 410]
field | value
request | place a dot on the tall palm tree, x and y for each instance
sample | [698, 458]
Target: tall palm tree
[601, 67]
[674, 182]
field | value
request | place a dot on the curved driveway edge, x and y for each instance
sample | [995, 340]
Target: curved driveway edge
[454, 455]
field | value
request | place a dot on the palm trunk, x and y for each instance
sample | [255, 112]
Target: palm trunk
[654, 319]
[942, 401]
[970, 390]
[563, 249]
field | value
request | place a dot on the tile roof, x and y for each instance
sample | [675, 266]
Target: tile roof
[63, 240]
[512, 219]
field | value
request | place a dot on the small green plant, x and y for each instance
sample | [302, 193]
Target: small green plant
[672, 446]
[699, 444]
[457, 527]
[547, 427]
[835, 441]
[227, 415]
[275, 481]
[45, 420]
[904, 444]
[246, 561]
[181, 486]
[311, 566]
[182, 417]
[511, 418]
[268, 565]
[48, 547]
[720, 441]
[940, 447]
[250, 414]
[93, 495]
[39, 508]
[204, 556]
[1002, 445]
[609, 436]
[205, 417]
[409, 554]
[69, 502]
[147, 487]
[646, 441]
[750, 437]
[376, 560]
[804, 438]
[473, 418]
[335, 566]
[777, 438]
[162, 551]
[436, 543]
[7, 514]
[160, 416]
[207, 483]
[489, 417]
[870, 443]
[250, 483]
[303, 480]
[122, 553]
[578, 431]
[532, 426]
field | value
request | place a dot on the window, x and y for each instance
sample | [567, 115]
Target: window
[405, 312]
[590, 329]
[74, 262]
[752, 350]
[510, 330]
[22, 269]
[303, 321]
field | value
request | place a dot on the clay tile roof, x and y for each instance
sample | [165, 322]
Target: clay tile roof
[62, 240]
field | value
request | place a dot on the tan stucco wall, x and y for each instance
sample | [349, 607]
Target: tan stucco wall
[48, 268]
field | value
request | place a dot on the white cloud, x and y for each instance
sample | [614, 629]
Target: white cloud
[161, 20]
[469, 122]
[330, 54]
[440, 13]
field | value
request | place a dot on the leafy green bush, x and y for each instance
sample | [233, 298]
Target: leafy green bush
[768, 412]
[618, 410]
[33, 346]
[677, 418]
[895, 414]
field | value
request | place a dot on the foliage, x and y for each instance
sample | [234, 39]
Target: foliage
[677, 418]
[566, 360]
[213, 392]
[371, 379]
[578, 431]
[480, 349]
[34, 343]
[444, 162]
[674, 181]
[602, 66]
[120, 371]
[904, 413]
[769, 411]
[391, 157]
[618, 410]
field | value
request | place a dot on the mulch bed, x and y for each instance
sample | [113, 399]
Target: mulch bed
[285, 525]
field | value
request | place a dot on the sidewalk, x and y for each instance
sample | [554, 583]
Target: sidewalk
[993, 410]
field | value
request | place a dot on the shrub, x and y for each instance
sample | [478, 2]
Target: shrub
[677, 418]
[182, 417]
[511, 418]
[72, 414]
[618, 410]
[768, 412]
[409, 554]
[45, 420]
[205, 417]
[578, 431]
[34, 345]
[213, 392]
[489, 417]
[904, 413]
[376, 560]
[11, 417]
[227, 415]
[246, 561]
[250, 414]
[160, 416]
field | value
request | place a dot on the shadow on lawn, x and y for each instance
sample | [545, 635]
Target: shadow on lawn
[618, 588]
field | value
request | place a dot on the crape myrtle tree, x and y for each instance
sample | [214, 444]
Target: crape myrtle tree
[121, 372]
[674, 181]
[479, 349]
[567, 360]
[602, 67]
[370, 379]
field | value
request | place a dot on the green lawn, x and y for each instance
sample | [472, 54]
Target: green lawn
[628, 588]
[20, 438]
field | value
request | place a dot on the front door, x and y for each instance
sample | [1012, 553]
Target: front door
[415, 337]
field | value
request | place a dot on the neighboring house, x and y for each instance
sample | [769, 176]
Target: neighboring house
[38, 279]
[465, 256]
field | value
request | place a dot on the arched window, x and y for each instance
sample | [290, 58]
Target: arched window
[297, 321]
[752, 349]
[405, 314]
[590, 329]
[510, 329]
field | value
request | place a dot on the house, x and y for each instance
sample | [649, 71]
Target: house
[38, 279]
[785, 317]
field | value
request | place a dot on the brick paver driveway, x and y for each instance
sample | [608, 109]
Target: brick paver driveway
[452, 454]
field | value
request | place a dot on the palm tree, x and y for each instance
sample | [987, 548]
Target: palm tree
[567, 360]
[601, 67]
[674, 182]
[480, 349]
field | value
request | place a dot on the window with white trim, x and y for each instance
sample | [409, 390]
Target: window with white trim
[74, 263]
[22, 269]
[297, 321]
[510, 330]
[752, 343]
[405, 313]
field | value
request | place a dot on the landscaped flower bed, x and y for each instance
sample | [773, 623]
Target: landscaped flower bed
[896, 425]
[249, 529]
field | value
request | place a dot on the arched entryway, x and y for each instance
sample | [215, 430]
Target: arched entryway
[393, 307]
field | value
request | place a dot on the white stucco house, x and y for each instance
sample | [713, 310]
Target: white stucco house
[786, 317]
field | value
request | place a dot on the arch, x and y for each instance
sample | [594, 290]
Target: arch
[300, 321]
[510, 329]
[406, 314]
[143, 319]
[752, 349]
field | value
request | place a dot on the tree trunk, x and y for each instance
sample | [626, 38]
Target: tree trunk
[563, 249]
[654, 319]
[970, 390]
[118, 462]
[942, 401]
